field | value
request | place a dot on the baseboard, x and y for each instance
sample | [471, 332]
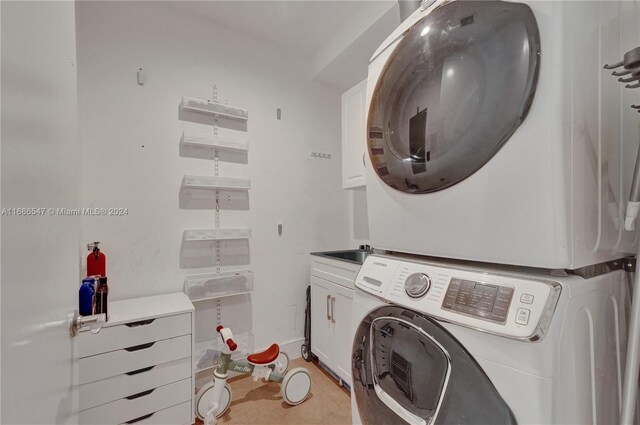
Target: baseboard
[335, 376]
[292, 348]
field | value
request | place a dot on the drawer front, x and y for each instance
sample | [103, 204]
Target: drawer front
[134, 333]
[133, 358]
[175, 415]
[137, 406]
[121, 386]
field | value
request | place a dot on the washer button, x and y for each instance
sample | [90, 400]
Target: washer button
[522, 316]
[526, 298]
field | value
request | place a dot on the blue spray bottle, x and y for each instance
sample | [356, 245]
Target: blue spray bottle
[86, 297]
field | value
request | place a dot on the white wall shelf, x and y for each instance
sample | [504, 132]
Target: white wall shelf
[203, 235]
[213, 108]
[216, 247]
[208, 192]
[194, 145]
[207, 353]
[223, 184]
[218, 285]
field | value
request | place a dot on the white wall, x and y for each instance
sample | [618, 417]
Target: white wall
[130, 154]
[40, 168]
[343, 60]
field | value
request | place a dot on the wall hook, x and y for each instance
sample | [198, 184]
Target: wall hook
[142, 77]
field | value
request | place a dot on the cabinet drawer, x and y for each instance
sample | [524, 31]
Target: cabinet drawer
[133, 358]
[174, 415]
[120, 386]
[138, 405]
[134, 333]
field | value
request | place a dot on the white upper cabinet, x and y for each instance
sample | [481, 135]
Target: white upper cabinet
[354, 136]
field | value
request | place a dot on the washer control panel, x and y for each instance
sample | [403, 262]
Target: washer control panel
[490, 302]
[513, 305]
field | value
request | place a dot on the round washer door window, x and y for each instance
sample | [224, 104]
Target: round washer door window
[453, 91]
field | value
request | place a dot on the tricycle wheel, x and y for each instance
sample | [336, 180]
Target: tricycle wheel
[204, 399]
[296, 386]
[281, 364]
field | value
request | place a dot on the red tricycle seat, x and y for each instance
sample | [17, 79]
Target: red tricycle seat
[266, 356]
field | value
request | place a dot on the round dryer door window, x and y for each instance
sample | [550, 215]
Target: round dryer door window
[453, 91]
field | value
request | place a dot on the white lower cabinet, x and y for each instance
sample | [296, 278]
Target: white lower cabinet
[341, 313]
[138, 368]
[321, 326]
[331, 326]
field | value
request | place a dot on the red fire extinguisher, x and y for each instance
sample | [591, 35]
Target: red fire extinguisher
[96, 261]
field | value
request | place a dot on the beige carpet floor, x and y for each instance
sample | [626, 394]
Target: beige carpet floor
[259, 403]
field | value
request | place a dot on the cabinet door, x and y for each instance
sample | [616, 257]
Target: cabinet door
[353, 136]
[342, 333]
[321, 327]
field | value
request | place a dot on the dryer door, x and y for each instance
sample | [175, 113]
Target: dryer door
[455, 88]
[409, 369]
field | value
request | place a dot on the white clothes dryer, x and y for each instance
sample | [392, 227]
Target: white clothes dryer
[494, 134]
[453, 342]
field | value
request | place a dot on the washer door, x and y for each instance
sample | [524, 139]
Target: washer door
[408, 369]
[453, 91]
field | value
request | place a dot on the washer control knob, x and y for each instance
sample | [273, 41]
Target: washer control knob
[417, 285]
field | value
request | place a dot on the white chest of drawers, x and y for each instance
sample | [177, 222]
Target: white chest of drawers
[138, 368]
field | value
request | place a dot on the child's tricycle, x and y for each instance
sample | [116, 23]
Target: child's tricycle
[213, 399]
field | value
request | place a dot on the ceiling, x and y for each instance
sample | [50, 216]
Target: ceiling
[336, 38]
[299, 26]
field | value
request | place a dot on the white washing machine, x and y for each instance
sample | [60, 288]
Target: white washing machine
[494, 133]
[453, 342]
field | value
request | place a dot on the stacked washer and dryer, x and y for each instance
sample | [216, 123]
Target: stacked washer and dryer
[500, 158]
